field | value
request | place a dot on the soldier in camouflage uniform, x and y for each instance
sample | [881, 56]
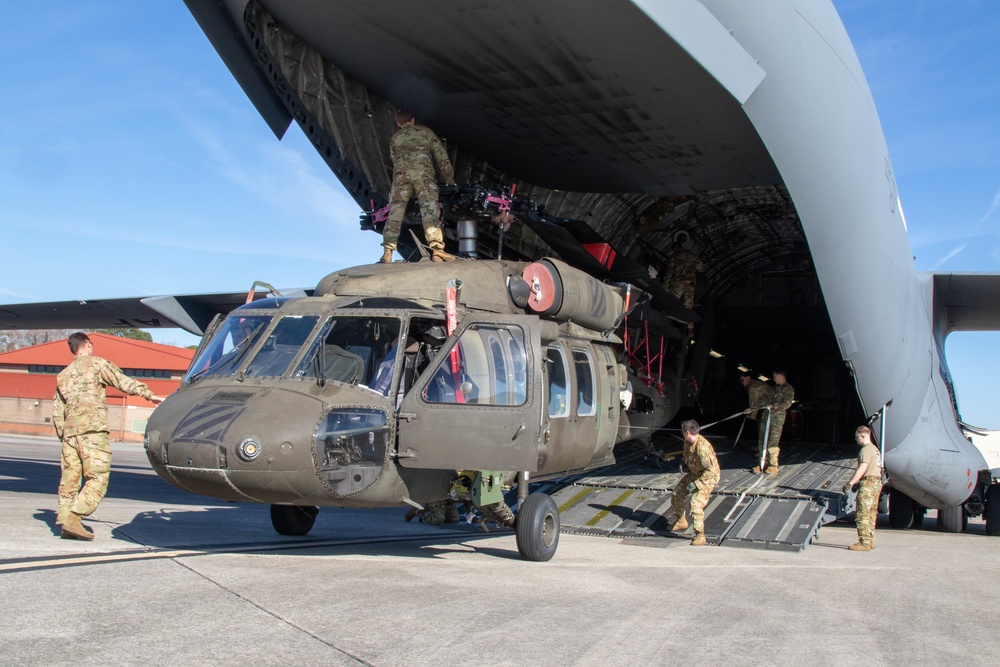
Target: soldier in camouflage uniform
[868, 477]
[778, 398]
[80, 417]
[415, 150]
[679, 277]
[698, 482]
[444, 511]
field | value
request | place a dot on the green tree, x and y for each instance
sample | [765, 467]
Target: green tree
[131, 332]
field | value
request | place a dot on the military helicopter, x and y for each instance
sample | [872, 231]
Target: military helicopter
[389, 379]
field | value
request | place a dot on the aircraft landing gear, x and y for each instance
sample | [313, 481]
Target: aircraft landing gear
[537, 527]
[952, 519]
[293, 519]
[900, 509]
[993, 510]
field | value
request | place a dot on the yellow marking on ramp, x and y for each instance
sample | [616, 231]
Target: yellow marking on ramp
[614, 503]
[575, 499]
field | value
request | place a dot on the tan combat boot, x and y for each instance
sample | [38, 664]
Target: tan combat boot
[857, 546]
[756, 470]
[680, 525]
[699, 540]
[771, 470]
[387, 254]
[438, 254]
[74, 530]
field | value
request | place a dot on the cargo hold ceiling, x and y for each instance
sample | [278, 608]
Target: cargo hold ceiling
[589, 97]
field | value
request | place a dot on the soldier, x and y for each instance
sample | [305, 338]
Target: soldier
[679, 278]
[436, 512]
[778, 398]
[415, 150]
[79, 414]
[868, 477]
[698, 482]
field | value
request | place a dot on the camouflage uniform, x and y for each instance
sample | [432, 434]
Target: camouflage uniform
[679, 277]
[440, 512]
[869, 489]
[415, 149]
[704, 473]
[780, 398]
[80, 417]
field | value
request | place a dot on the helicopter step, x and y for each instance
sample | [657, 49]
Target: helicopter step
[631, 499]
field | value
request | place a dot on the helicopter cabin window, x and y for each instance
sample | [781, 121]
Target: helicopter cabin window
[350, 350]
[223, 354]
[584, 383]
[281, 345]
[486, 367]
[555, 366]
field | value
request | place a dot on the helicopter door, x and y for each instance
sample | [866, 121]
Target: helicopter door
[477, 405]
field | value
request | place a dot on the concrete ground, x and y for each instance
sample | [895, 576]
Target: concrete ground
[176, 579]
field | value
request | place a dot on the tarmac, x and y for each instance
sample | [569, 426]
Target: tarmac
[177, 579]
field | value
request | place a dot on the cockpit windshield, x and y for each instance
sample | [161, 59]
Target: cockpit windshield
[226, 350]
[351, 350]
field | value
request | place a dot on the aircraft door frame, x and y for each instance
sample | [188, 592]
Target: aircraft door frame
[476, 429]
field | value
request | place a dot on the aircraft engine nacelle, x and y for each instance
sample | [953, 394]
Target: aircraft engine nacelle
[565, 294]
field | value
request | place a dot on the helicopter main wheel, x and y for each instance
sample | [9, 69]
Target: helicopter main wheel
[537, 528]
[294, 520]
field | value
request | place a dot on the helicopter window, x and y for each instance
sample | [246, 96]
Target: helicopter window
[226, 350]
[518, 370]
[281, 345]
[351, 349]
[481, 369]
[555, 366]
[584, 383]
[499, 367]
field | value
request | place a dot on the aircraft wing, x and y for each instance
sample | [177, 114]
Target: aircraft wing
[967, 301]
[191, 312]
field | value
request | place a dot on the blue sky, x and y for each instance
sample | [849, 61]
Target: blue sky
[132, 164]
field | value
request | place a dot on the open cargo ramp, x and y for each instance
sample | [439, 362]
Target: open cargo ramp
[631, 499]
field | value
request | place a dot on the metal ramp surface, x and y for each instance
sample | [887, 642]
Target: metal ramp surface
[631, 499]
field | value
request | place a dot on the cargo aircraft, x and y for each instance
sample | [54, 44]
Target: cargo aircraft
[610, 133]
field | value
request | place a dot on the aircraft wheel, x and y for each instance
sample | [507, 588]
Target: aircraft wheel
[918, 515]
[293, 519]
[952, 519]
[993, 510]
[900, 509]
[537, 528]
[883, 502]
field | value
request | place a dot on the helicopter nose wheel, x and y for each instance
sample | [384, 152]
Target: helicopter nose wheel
[294, 520]
[537, 527]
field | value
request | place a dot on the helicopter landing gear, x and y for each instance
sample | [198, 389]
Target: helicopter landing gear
[294, 520]
[537, 527]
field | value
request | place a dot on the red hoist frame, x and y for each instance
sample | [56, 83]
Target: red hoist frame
[451, 312]
[644, 367]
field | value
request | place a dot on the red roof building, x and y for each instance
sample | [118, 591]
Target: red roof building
[28, 382]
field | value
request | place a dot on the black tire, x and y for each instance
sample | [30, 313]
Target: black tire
[992, 513]
[537, 528]
[883, 502]
[900, 509]
[951, 519]
[293, 519]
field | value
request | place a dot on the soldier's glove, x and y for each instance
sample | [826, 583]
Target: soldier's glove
[846, 489]
[692, 487]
